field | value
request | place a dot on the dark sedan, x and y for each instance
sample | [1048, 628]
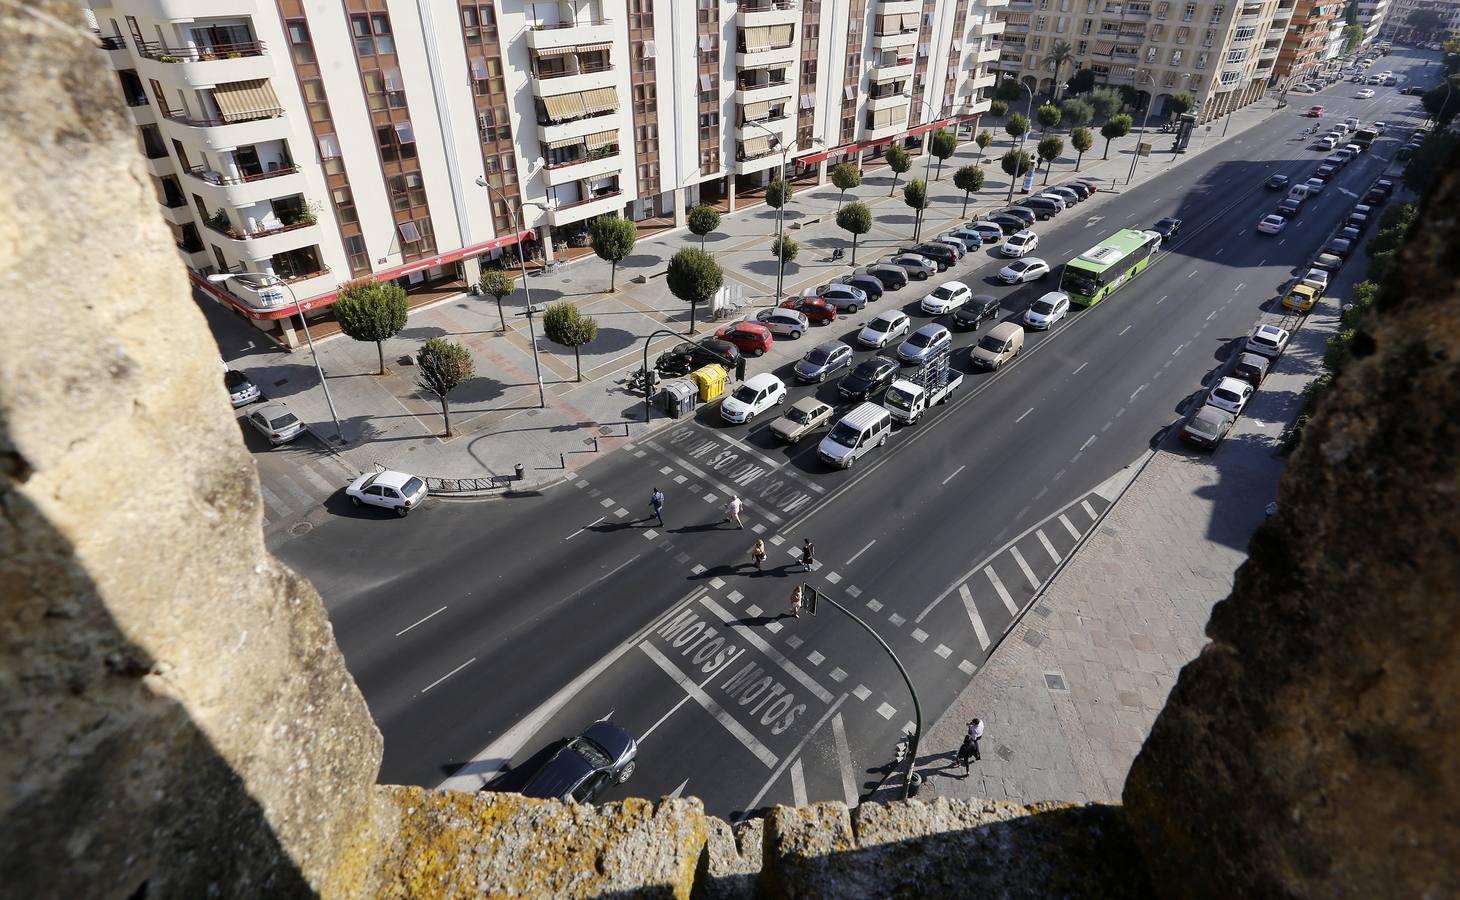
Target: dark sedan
[1008, 224]
[1167, 227]
[869, 377]
[976, 311]
[942, 254]
[870, 286]
[1277, 182]
[1019, 212]
[892, 277]
[586, 765]
[687, 357]
[1289, 208]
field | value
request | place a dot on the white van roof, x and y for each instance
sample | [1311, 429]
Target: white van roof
[865, 415]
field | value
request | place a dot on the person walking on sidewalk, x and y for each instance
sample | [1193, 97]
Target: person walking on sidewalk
[656, 503]
[965, 753]
[975, 733]
[757, 554]
[808, 554]
[732, 511]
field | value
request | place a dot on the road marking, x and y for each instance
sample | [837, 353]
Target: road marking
[1262, 262]
[448, 674]
[419, 621]
[686, 698]
[943, 650]
[1089, 510]
[760, 644]
[1024, 567]
[1082, 365]
[586, 527]
[1211, 315]
[1219, 252]
[1282, 241]
[1069, 526]
[1001, 590]
[1061, 473]
[679, 791]
[795, 753]
[1192, 274]
[1124, 330]
[1088, 441]
[1239, 287]
[318, 481]
[798, 783]
[844, 759]
[1138, 390]
[1026, 412]
[1179, 348]
[949, 478]
[866, 548]
[886, 711]
[1048, 547]
[758, 750]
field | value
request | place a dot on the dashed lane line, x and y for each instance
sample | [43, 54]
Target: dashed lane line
[419, 621]
[1026, 412]
[1082, 365]
[870, 543]
[955, 474]
[448, 674]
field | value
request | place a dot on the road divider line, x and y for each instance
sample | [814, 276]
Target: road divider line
[794, 754]
[1191, 274]
[1162, 300]
[740, 732]
[844, 759]
[1024, 567]
[1239, 287]
[1088, 441]
[1026, 412]
[1138, 390]
[1082, 365]
[760, 644]
[419, 621]
[955, 474]
[865, 549]
[1124, 330]
[1211, 315]
[798, 783]
[585, 528]
[1002, 591]
[448, 674]
[974, 618]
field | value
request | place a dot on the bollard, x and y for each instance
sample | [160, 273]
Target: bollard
[520, 471]
[914, 781]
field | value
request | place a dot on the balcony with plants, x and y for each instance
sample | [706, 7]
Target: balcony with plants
[207, 51]
[589, 157]
[584, 69]
[265, 229]
[577, 201]
[890, 65]
[229, 115]
[765, 84]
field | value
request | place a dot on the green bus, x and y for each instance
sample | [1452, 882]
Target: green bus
[1100, 271]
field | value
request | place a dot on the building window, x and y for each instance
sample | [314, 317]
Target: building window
[1189, 13]
[345, 205]
[355, 251]
[416, 237]
[314, 100]
[385, 140]
[299, 42]
[1175, 57]
[407, 190]
[152, 143]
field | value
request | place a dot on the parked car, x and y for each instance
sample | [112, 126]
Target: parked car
[1328, 261]
[919, 267]
[991, 233]
[959, 248]
[1008, 224]
[844, 297]
[821, 361]
[893, 277]
[1250, 367]
[923, 343]
[1044, 207]
[804, 417]
[1325, 172]
[1023, 213]
[941, 254]
[688, 356]
[1230, 395]
[1349, 233]
[1267, 340]
[1316, 279]
[1022, 270]
[970, 238]
[868, 285]
[274, 421]
[1066, 194]
[1207, 427]
[1289, 208]
[883, 328]
[978, 309]
[241, 391]
[587, 765]
[389, 489]
[1340, 247]
[945, 298]
[869, 377]
[1315, 186]
[753, 338]
[1082, 189]
[815, 309]
[782, 321]
[1301, 297]
[1020, 244]
[1325, 143]
[1047, 310]
[752, 397]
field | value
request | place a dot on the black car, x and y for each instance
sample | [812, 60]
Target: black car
[870, 286]
[1167, 227]
[1277, 182]
[869, 377]
[1325, 172]
[1044, 208]
[686, 357]
[941, 254]
[976, 311]
[1008, 224]
[586, 765]
[892, 277]
[1019, 212]
[1079, 187]
[1289, 208]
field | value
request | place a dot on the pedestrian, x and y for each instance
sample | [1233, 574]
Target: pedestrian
[796, 602]
[965, 754]
[656, 503]
[808, 554]
[732, 511]
[975, 732]
[757, 553]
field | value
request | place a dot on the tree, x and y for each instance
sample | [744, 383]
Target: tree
[563, 324]
[1017, 126]
[1008, 90]
[693, 276]
[498, 284]
[1061, 54]
[1076, 112]
[443, 366]
[612, 238]
[1015, 163]
[968, 179]
[1050, 148]
[1442, 101]
[898, 161]
[856, 219]
[1181, 103]
[703, 219]
[1353, 35]
[785, 248]
[983, 140]
[1430, 160]
[1426, 21]
[1081, 139]
[370, 310]
[1048, 116]
[942, 145]
[1105, 101]
[778, 193]
[998, 109]
[1082, 82]
[845, 176]
[915, 195]
[1114, 127]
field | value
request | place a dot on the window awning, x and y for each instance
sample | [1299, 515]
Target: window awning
[1016, 18]
[1103, 48]
[564, 106]
[910, 22]
[781, 35]
[757, 38]
[890, 116]
[601, 139]
[599, 100]
[565, 142]
[245, 100]
[757, 111]
[755, 146]
[556, 51]
[593, 48]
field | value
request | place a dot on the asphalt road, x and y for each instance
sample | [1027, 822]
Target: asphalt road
[483, 633]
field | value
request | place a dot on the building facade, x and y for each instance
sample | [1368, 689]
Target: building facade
[320, 141]
[1397, 25]
[1221, 53]
[1372, 15]
[1305, 49]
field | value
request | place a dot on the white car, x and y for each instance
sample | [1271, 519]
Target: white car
[1020, 243]
[1022, 270]
[883, 328]
[1047, 310]
[1230, 395]
[1314, 186]
[275, 422]
[754, 396]
[1267, 340]
[1272, 224]
[1302, 89]
[783, 321]
[1317, 278]
[946, 298]
[1326, 143]
[916, 266]
[1364, 94]
[924, 343]
[400, 491]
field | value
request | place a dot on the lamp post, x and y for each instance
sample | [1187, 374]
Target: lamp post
[522, 260]
[781, 211]
[1028, 114]
[1136, 154]
[298, 308]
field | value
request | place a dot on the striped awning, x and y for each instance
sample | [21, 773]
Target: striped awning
[909, 22]
[890, 116]
[601, 139]
[593, 48]
[1016, 18]
[755, 146]
[565, 142]
[564, 106]
[1103, 48]
[756, 111]
[555, 51]
[757, 38]
[780, 35]
[245, 100]
[599, 100]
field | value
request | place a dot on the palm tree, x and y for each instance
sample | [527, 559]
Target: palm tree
[1060, 52]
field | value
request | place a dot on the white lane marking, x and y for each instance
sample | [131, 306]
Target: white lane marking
[1179, 348]
[586, 527]
[1069, 526]
[760, 644]
[798, 783]
[679, 791]
[757, 749]
[1239, 287]
[1082, 365]
[1061, 473]
[1089, 510]
[1282, 241]
[886, 711]
[1024, 567]
[1048, 547]
[955, 474]
[749, 449]
[686, 698]
[1026, 412]
[844, 760]
[1219, 252]
[865, 549]
[1002, 591]
[1088, 441]
[1162, 300]
[419, 621]
[1124, 330]
[1138, 390]
[448, 674]
[1262, 262]
[795, 753]
[1192, 274]
[974, 618]
[1211, 315]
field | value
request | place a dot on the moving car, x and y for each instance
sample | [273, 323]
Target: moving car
[1277, 182]
[815, 309]
[1272, 224]
[1167, 227]
[389, 489]
[919, 267]
[1326, 143]
[924, 343]
[1288, 209]
[241, 391]
[844, 297]
[978, 309]
[600, 757]
[1325, 172]
[869, 377]
[752, 397]
[1019, 244]
[945, 298]
[753, 338]
[1250, 367]
[1230, 395]
[275, 422]
[1315, 112]
[1302, 297]
[1207, 426]
[1047, 310]
[857, 433]
[1315, 186]
[821, 361]
[1363, 93]
[1267, 340]
[883, 328]
[1001, 344]
[893, 277]
[805, 416]
[784, 321]
[688, 356]
[1022, 270]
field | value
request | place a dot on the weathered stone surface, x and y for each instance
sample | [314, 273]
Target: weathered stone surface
[1311, 750]
[732, 862]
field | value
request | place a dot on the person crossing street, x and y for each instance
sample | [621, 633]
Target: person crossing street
[808, 554]
[757, 554]
[732, 511]
[656, 504]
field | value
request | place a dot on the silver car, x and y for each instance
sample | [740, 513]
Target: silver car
[783, 321]
[822, 361]
[918, 267]
[923, 343]
[275, 422]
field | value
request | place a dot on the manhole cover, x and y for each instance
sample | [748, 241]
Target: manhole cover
[1033, 638]
[533, 412]
[1005, 753]
[1055, 681]
[300, 528]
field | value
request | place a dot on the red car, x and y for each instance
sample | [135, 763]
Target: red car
[814, 309]
[752, 338]
[1314, 112]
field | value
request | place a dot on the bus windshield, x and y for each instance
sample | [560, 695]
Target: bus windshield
[1076, 281]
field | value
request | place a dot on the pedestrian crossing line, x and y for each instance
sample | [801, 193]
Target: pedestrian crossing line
[815, 658]
[943, 650]
[853, 591]
[861, 692]
[919, 635]
[886, 711]
[979, 630]
[753, 610]
[777, 656]
[895, 619]
[874, 606]
[777, 540]
[271, 499]
[666, 470]
[839, 674]
[318, 481]
[708, 497]
[620, 512]
[1074, 533]
[794, 642]
[798, 783]
[734, 596]
[1001, 590]
[967, 667]
[606, 502]
[1024, 567]
[581, 482]
[650, 535]
[681, 479]
[833, 577]
[1048, 547]
[640, 454]
[1089, 510]
[301, 498]
[844, 759]
[717, 583]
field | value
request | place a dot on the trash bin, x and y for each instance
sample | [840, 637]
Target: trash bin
[710, 380]
[677, 398]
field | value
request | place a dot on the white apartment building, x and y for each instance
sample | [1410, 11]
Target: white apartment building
[1372, 14]
[319, 141]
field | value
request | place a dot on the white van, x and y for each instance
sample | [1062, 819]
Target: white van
[1299, 192]
[860, 430]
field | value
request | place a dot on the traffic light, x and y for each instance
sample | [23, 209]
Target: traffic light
[901, 751]
[808, 598]
[650, 376]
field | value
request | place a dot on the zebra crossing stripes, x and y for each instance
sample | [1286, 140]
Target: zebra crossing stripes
[1002, 591]
[979, 631]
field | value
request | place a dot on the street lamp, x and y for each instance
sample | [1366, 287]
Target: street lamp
[781, 211]
[270, 281]
[933, 116]
[522, 260]
[1028, 114]
[1136, 154]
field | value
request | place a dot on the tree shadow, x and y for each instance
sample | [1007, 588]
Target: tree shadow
[481, 389]
[422, 332]
[611, 340]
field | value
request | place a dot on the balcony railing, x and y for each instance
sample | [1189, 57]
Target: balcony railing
[136, 100]
[190, 246]
[239, 235]
[114, 42]
[159, 52]
[557, 25]
[757, 85]
[594, 199]
[305, 276]
[205, 122]
[592, 156]
[220, 179]
[766, 5]
[581, 70]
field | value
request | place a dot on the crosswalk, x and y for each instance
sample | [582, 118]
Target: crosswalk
[296, 479]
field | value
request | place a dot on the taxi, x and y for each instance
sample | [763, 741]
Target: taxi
[1301, 298]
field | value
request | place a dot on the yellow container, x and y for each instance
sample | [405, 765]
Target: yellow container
[710, 380]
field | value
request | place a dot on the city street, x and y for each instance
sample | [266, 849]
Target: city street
[483, 633]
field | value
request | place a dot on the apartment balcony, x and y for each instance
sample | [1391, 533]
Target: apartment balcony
[245, 190]
[877, 132]
[1126, 37]
[564, 133]
[886, 101]
[1013, 64]
[189, 10]
[777, 50]
[592, 165]
[989, 28]
[1268, 52]
[160, 165]
[1118, 78]
[977, 106]
[578, 210]
[266, 242]
[765, 91]
[570, 34]
[586, 78]
[898, 7]
[894, 40]
[979, 82]
[180, 214]
[1135, 15]
[996, 4]
[1016, 28]
[195, 256]
[1021, 5]
[901, 67]
[983, 57]
[244, 124]
[753, 13]
[206, 65]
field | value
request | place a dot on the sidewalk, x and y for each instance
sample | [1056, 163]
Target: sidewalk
[388, 420]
